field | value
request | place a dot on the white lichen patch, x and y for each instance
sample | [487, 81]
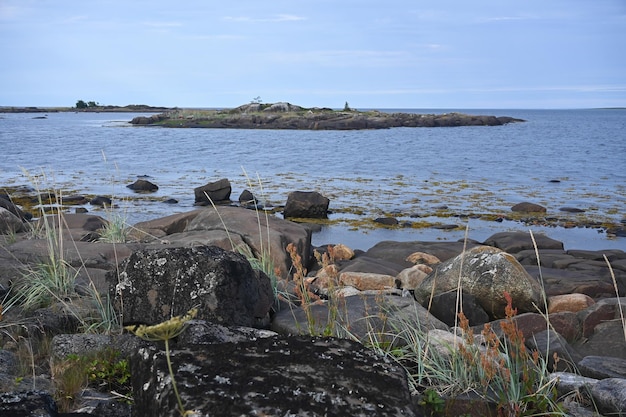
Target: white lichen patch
[124, 283]
[221, 380]
[199, 291]
[191, 368]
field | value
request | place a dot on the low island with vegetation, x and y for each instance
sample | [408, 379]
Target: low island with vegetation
[86, 106]
[282, 115]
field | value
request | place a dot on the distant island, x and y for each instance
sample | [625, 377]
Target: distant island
[131, 108]
[288, 116]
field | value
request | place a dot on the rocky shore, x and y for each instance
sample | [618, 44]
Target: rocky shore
[304, 336]
[289, 116]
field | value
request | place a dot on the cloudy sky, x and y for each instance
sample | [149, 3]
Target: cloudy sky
[369, 53]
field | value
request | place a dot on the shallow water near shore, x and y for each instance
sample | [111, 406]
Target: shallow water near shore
[558, 158]
[572, 238]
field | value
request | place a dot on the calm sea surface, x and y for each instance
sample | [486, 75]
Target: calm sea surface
[407, 172]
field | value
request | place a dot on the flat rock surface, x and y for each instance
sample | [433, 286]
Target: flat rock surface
[295, 376]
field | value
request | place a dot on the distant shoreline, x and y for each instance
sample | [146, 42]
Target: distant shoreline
[134, 108]
[131, 108]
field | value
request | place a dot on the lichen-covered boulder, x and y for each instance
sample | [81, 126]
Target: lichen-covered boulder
[155, 284]
[27, 404]
[295, 376]
[487, 273]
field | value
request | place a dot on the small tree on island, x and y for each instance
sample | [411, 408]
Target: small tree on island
[346, 107]
[81, 104]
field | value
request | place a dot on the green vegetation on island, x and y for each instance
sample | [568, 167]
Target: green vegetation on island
[86, 106]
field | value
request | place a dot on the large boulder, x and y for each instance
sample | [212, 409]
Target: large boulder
[294, 376]
[487, 273]
[306, 204]
[252, 232]
[154, 285]
[217, 191]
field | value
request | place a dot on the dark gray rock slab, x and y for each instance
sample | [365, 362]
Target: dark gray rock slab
[601, 367]
[607, 339]
[610, 396]
[397, 252]
[27, 404]
[548, 343]
[358, 316]
[295, 376]
[563, 281]
[513, 242]
[364, 263]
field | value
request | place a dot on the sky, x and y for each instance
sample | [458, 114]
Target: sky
[430, 54]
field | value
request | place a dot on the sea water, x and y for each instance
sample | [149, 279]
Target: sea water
[557, 158]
